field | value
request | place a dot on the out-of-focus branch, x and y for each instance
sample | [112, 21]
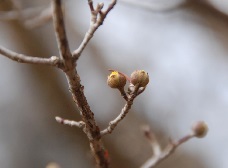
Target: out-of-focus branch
[79, 124]
[43, 17]
[97, 19]
[199, 130]
[30, 17]
[21, 58]
[23, 14]
[156, 149]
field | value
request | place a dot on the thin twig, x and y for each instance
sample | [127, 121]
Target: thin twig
[120, 117]
[123, 112]
[155, 146]
[97, 19]
[90, 3]
[79, 124]
[21, 58]
[160, 155]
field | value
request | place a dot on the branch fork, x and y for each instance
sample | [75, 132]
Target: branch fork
[129, 97]
[95, 22]
[161, 154]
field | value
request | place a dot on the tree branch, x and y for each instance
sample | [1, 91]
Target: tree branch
[77, 90]
[132, 95]
[21, 58]
[61, 37]
[79, 124]
[97, 18]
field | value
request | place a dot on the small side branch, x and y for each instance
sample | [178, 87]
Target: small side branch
[21, 58]
[123, 93]
[79, 124]
[156, 149]
[97, 18]
[123, 112]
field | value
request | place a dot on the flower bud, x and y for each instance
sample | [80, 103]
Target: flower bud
[200, 129]
[140, 77]
[116, 80]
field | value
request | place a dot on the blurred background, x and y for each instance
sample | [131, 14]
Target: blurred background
[183, 45]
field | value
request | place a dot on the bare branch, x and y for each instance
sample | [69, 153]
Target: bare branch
[123, 112]
[123, 93]
[60, 32]
[120, 117]
[158, 154]
[77, 90]
[97, 19]
[156, 149]
[79, 124]
[21, 58]
[90, 3]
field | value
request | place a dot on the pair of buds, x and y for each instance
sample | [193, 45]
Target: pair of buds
[118, 80]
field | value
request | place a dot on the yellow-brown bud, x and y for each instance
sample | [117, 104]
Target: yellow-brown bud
[140, 77]
[200, 129]
[116, 80]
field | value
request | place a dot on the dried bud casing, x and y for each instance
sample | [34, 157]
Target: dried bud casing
[200, 129]
[140, 77]
[116, 80]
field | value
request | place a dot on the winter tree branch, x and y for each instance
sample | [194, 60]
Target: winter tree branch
[21, 58]
[97, 19]
[135, 91]
[77, 90]
[79, 124]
